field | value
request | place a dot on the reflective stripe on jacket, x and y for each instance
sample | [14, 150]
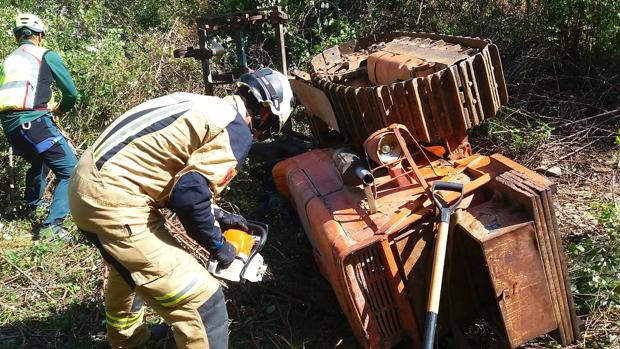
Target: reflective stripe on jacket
[146, 150]
[19, 80]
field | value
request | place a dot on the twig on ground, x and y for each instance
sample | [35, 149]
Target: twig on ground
[615, 111]
[34, 282]
[613, 183]
[581, 148]
[285, 340]
[12, 278]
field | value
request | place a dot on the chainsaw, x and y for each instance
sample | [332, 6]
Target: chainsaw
[248, 264]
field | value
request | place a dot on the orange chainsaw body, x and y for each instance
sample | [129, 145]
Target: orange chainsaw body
[242, 241]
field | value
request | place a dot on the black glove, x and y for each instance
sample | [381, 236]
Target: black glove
[225, 255]
[231, 221]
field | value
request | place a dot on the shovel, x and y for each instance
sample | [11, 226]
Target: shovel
[439, 258]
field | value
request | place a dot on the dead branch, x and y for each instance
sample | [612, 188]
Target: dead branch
[581, 148]
[34, 282]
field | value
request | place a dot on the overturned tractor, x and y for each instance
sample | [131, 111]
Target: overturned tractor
[393, 113]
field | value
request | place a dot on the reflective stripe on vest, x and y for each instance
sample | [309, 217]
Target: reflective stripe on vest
[19, 77]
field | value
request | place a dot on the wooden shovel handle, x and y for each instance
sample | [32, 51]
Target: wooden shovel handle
[434, 295]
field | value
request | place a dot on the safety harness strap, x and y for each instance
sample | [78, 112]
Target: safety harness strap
[44, 145]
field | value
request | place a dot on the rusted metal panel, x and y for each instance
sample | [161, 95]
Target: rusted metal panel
[468, 89]
[508, 244]
[461, 40]
[332, 56]
[491, 78]
[366, 115]
[399, 95]
[413, 253]
[547, 211]
[315, 101]
[499, 75]
[418, 108]
[348, 112]
[457, 99]
[427, 50]
[357, 122]
[433, 88]
[484, 86]
[334, 98]
[384, 105]
[376, 115]
[548, 199]
[533, 198]
[387, 66]
[452, 109]
[382, 289]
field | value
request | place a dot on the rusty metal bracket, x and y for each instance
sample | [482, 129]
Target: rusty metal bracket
[414, 166]
[234, 25]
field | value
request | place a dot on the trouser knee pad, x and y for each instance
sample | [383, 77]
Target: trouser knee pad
[215, 319]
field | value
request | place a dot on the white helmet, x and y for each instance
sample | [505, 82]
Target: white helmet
[30, 22]
[272, 88]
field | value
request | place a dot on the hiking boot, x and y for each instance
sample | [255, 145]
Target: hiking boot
[54, 231]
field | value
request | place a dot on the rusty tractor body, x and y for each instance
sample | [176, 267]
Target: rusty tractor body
[391, 114]
[455, 84]
[403, 103]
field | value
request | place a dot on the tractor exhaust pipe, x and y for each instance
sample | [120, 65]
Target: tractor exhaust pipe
[352, 169]
[354, 173]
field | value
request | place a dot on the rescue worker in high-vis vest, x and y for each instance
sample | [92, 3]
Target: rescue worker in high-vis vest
[177, 152]
[26, 108]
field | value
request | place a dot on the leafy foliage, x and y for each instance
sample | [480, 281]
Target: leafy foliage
[597, 275]
[595, 270]
[119, 53]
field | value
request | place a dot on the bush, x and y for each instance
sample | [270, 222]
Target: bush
[597, 272]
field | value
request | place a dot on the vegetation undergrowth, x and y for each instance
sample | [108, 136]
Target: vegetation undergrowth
[49, 295]
[560, 58]
[595, 272]
[514, 133]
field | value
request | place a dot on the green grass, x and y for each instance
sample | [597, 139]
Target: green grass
[57, 303]
[513, 132]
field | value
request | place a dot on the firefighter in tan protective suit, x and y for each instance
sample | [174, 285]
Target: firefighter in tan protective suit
[176, 151]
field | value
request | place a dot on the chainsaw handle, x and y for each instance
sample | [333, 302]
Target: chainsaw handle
[446, 211]
[256, 228]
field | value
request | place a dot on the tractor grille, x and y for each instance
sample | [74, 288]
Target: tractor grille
[372, 279]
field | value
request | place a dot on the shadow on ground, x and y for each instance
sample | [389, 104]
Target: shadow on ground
[295, 307]
[74, 326]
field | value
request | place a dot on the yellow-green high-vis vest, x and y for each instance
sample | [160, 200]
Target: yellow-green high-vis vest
[19, 77]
